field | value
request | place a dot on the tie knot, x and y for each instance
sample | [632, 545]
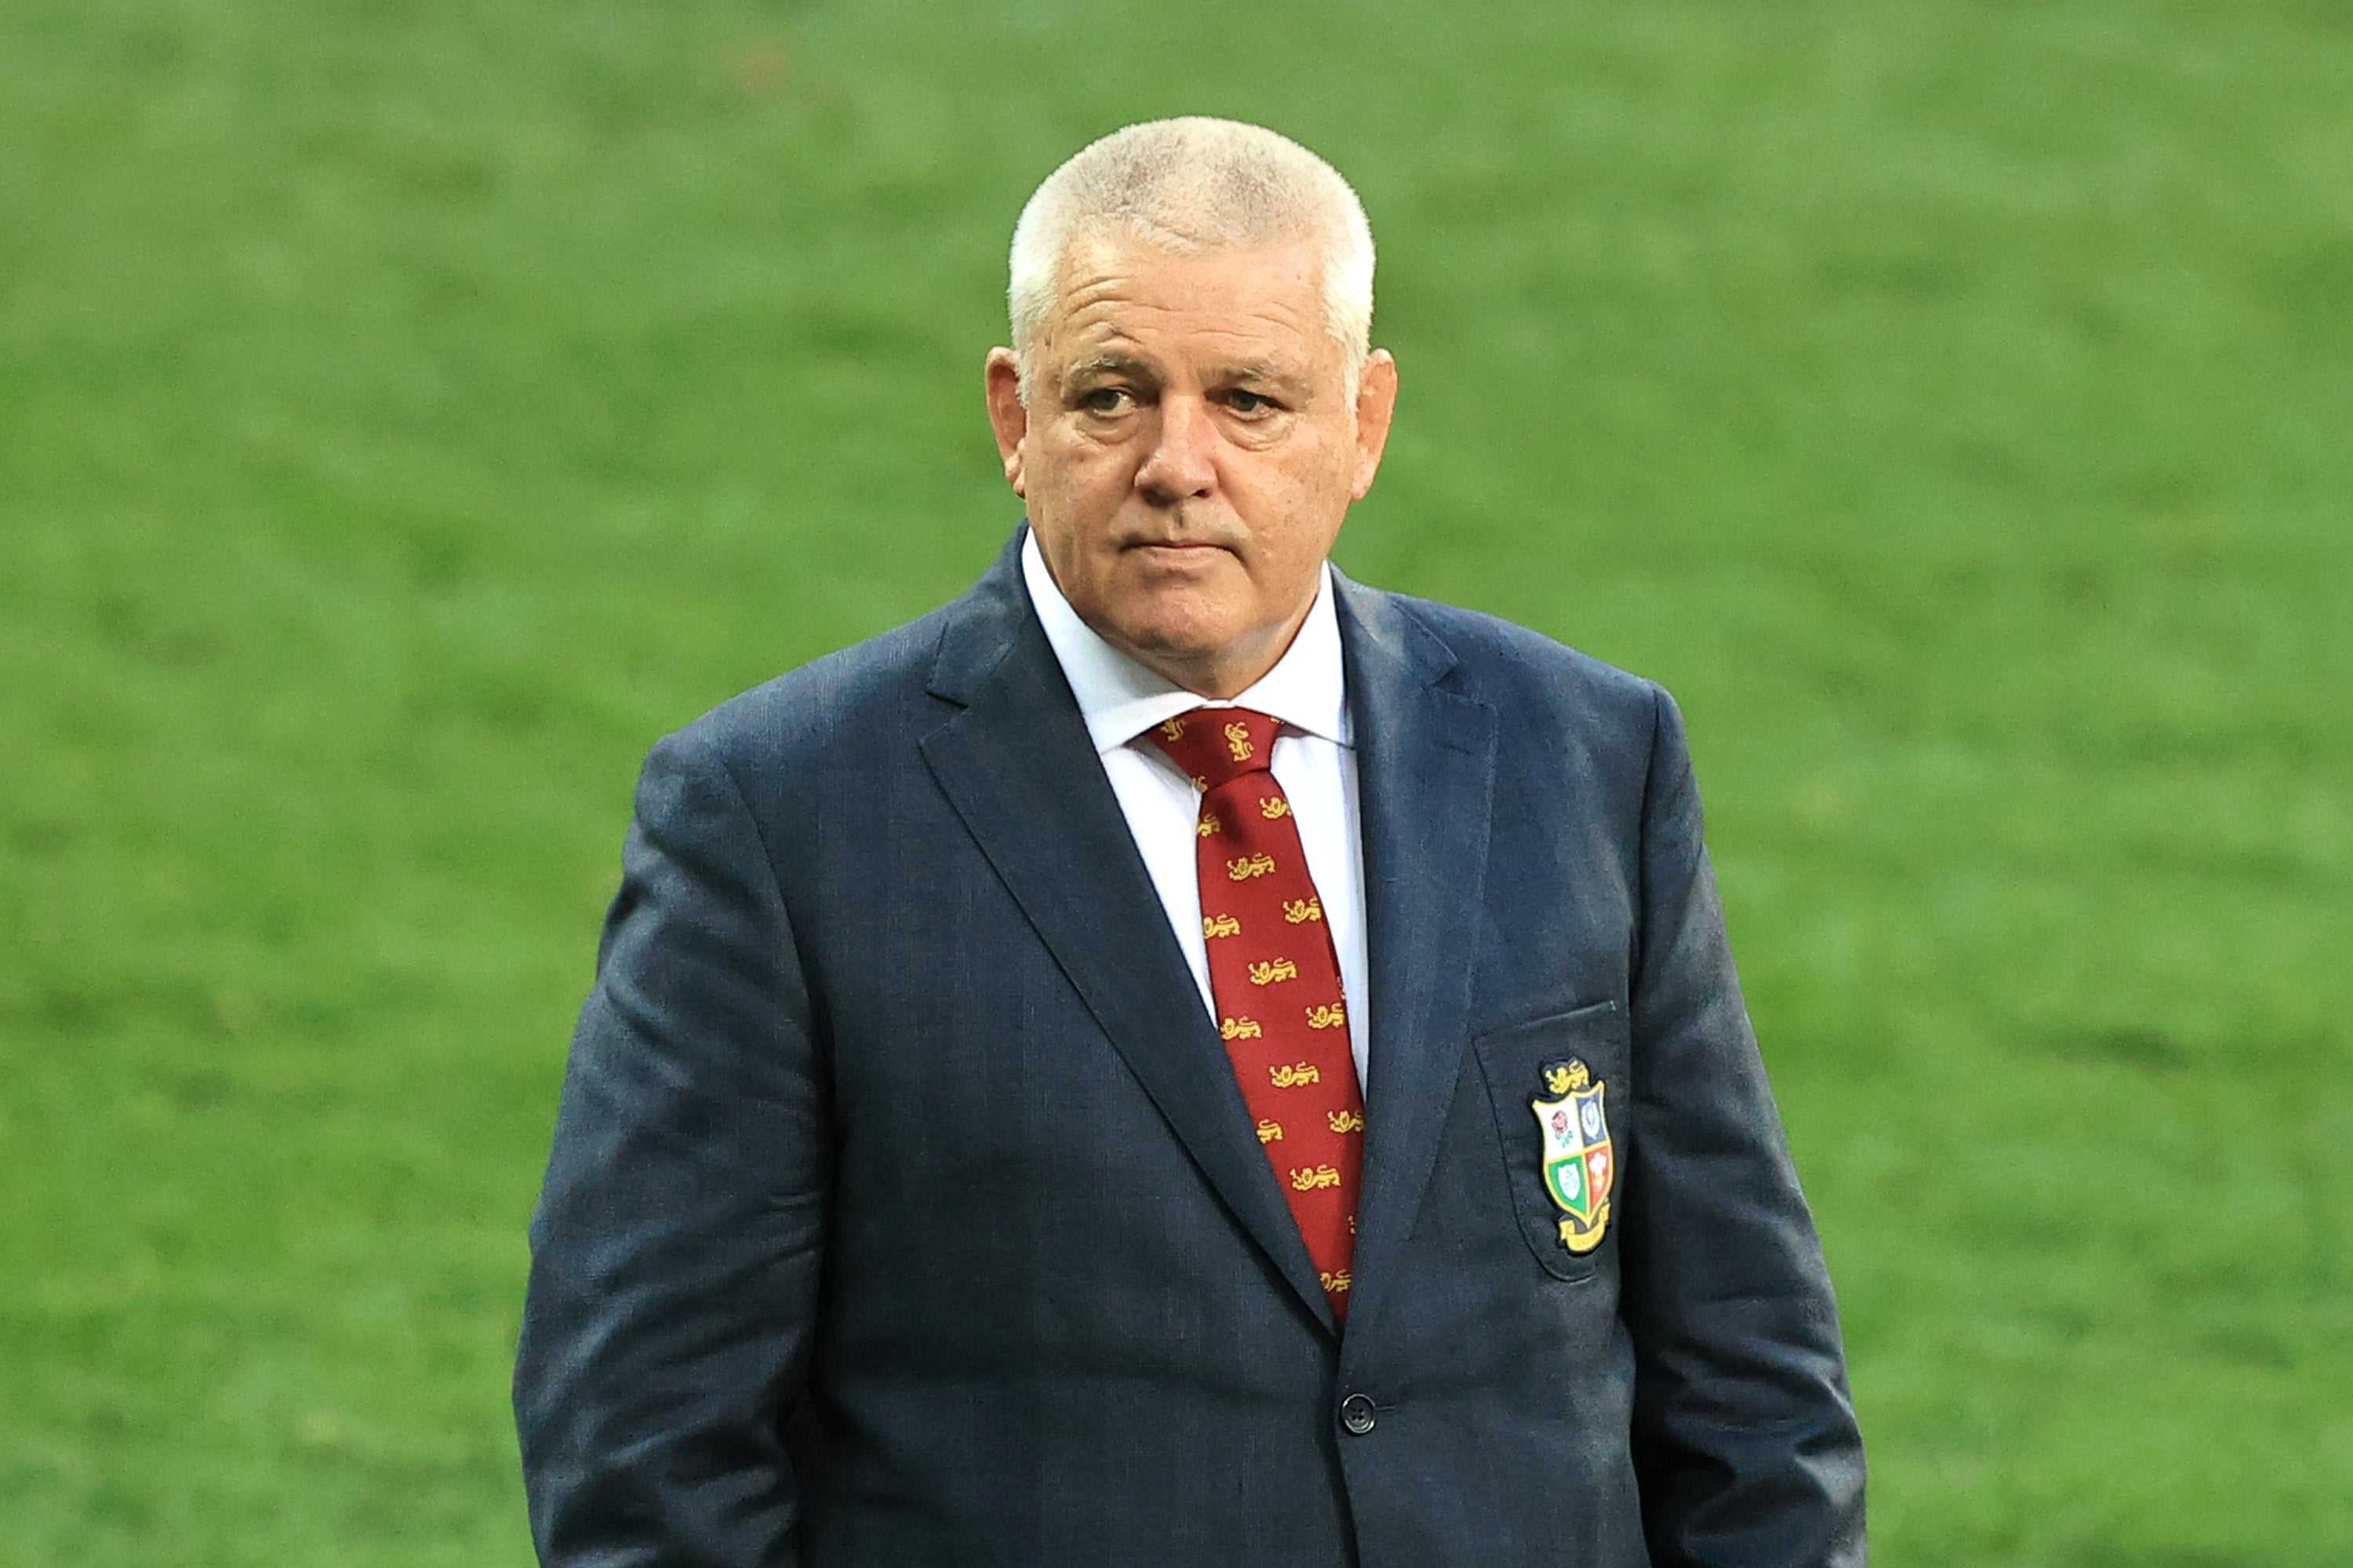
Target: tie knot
[1218, 745]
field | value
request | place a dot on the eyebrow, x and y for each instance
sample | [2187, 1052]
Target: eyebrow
[1108, 364]
[1127, 364]
[1261, 372]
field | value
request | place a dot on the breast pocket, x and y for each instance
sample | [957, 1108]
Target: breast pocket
[1556, 1085]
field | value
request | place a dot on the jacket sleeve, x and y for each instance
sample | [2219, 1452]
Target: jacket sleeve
[1745, 1446]
[675, 1251]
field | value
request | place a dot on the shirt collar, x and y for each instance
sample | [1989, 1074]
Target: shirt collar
[1120, 699]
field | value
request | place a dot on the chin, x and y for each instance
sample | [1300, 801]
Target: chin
[1184, 636]
[1187, 641]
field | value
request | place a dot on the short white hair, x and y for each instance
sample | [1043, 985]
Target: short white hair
[1191, 185]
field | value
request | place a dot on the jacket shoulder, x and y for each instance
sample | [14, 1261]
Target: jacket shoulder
[1528, 676]
[830, 706]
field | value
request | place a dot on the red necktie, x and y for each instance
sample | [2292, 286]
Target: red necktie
[1276, 980]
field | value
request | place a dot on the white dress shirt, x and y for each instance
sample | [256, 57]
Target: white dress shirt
[1315, 762]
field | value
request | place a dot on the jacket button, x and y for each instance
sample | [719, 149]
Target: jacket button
[1356, 1414]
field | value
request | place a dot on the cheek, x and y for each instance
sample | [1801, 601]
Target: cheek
[1302, 495]
[1079, 470]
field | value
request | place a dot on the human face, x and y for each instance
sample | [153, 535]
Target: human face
[1187, 448]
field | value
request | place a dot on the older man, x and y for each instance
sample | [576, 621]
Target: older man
[1178, 1058]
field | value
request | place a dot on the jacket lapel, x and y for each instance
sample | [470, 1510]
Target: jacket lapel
[1019, 769]
[1425, 766]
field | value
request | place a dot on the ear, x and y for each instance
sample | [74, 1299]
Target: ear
[1006, 413]
[1377, 390]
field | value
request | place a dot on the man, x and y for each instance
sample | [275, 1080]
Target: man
[1178, 1058]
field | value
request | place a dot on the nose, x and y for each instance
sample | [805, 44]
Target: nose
[1181, 465]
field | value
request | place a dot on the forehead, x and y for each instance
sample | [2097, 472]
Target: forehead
[1259, 302]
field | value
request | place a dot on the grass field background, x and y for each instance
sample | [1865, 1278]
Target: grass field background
[408, 411]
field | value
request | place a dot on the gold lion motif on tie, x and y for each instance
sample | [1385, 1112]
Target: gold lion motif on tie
[1269, 973]
[1345, 1122]
[1336, 1283]
[1237, 740]
[1240, 1029]
[1247, 867]
[1207, 827]
[1274, 807]
[1307, 1179]
[1322, 1016]
[1173, 728]
[1296, 910]
[1290, 1074]
[1216, 925]
[1269, 1130]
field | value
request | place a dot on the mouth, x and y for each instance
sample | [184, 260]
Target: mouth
[1174, 556]
[1174, 547]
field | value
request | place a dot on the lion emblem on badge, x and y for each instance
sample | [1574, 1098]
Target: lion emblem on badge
[1579, 1161]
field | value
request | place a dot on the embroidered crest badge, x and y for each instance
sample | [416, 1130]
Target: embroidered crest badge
[1579, 1162]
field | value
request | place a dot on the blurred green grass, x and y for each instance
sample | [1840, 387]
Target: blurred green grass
[410, 411]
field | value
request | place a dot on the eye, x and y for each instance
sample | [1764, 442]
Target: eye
[1249, 405]
[1106, 400]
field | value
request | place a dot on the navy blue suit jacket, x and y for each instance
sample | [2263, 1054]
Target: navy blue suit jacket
[903, 1209]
